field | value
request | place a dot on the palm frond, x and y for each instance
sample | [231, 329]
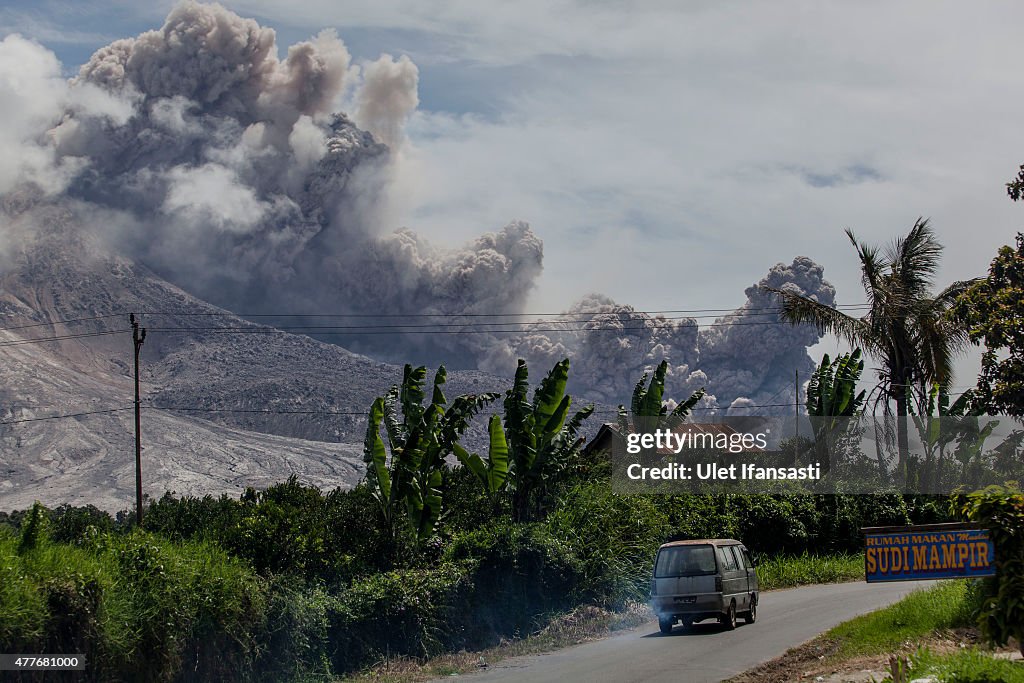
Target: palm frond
[798, 309]
[872, 268]
[915, 260]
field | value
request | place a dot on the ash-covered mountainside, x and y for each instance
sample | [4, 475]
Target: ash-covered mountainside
[196, 357]
[58, 272]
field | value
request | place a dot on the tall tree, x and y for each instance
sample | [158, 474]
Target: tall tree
[906, 327]
[993, 312]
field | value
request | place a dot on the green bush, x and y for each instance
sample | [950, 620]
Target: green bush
[70, 524]
[410, 613]
[296, 642]
[520, 573]
[193, 518]
[1001, 511]
[775, 524]
[139, 606]
[614, 537]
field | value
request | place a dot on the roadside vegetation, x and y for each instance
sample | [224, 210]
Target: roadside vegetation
[931, 632]
[788, 571]
[946, 606]
[289, 583]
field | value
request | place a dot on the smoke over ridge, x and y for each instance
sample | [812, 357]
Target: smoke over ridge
[232, 172]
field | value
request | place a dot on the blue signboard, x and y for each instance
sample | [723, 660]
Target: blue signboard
[927, 552]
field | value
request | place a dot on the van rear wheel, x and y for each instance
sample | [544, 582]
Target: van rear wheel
[728, 620]
[665, 624]
[751, 616]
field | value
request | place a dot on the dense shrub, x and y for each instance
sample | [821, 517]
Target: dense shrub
[72, 524]
[520, 573]
[776, 524]
[296, 642]
[1000, 509]
[139, 606]
[615, 539]
[413, 613]
[699, 516]
[289, 528]
[185, 517]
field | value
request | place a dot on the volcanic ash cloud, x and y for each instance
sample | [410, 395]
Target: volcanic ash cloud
[232, 172]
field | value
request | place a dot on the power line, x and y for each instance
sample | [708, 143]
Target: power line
[62, 417]
[462, 324]
[63, 322]
[70, 321]
[81, 335]
[265, 411]
[467, 328]
[355, 413]
[362, 413]
[479, 315]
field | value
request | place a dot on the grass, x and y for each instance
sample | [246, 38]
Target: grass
[939, 617]
[799, 570]
[119, 597]
[967, 666]
[923, 612]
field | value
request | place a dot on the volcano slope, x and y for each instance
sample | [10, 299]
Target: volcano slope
[222, 410]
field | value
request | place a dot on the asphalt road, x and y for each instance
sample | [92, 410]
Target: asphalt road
[785, 618]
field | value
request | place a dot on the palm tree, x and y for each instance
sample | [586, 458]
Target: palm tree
[906, 327]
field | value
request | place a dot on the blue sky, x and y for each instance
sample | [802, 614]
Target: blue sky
[669, 153]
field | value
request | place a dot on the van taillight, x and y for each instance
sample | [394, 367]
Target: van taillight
[654, 587]
[718, 584]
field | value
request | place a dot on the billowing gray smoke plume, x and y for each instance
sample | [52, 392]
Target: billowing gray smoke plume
[748, 355]
[230, 171]
[744, 358]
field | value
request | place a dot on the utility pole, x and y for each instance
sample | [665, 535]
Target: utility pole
[796, 412]
[137, 339]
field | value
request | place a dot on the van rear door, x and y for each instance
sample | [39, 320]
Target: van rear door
[685, 570]
[748, 562]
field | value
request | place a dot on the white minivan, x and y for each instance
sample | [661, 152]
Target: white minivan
[704, 579]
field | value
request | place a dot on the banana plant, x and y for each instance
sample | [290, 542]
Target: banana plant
[939, 424]
[419, 438]
[647, 405]
[541, 441]
[832, 398]
[832, 389]
[492, 473]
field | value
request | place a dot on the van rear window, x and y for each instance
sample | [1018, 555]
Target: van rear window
[685, 560]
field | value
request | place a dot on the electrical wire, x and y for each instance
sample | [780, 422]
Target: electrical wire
[21, 342]
[63, 417]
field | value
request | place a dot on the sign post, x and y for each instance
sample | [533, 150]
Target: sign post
[927, 551]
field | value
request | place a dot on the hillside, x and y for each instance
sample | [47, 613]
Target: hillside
[57, 273]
